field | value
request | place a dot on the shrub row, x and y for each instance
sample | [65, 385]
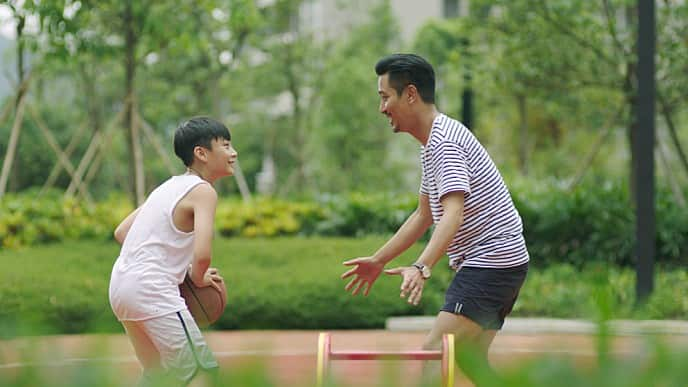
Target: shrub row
[592, 223]
[294, 283]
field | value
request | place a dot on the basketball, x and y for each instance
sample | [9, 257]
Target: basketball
[206, 304]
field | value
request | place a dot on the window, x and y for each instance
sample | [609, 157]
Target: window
[451, 9]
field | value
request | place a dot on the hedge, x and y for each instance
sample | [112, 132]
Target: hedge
[594, 223]
[293, 283]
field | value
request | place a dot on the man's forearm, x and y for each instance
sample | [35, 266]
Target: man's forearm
[412, 229]
[444, 233]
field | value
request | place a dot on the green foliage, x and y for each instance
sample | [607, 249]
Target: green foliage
[266, 217]
[28, 219]
[593, 223]
[358, 214]
[294, 283]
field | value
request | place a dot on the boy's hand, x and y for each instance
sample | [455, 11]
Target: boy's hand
[211, 278]
[366, 272]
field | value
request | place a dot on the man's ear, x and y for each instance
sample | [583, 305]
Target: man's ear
[411, 93]
[201, 153]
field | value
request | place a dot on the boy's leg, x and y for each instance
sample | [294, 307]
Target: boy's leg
[146, 352]
[183, 350]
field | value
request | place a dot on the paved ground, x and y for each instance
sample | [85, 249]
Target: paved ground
[289, 357]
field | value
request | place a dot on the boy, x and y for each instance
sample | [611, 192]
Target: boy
[170, 233]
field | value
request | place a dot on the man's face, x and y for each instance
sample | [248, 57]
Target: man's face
[391, 104]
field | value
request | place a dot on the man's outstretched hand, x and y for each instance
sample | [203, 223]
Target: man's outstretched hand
[412, 283]
[365, 272]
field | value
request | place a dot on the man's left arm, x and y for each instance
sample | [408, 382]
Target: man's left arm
[446, 229]
[449, 224]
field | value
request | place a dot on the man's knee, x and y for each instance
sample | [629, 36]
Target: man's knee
[431, 344]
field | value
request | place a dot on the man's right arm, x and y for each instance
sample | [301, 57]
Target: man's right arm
[413, 228]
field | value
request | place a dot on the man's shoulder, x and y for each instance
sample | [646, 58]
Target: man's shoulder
[447, 129]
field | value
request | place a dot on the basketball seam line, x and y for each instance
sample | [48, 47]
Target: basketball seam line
[200, 304]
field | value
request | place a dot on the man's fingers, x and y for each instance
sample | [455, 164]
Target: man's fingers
[352, 262]
[351, 284]
[367, 289]
[358, 288]
[416, 294]
[349, 272]
[395, 271]
[406, 284]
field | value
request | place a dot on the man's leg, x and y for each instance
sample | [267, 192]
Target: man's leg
[467, 333]
[463, 329]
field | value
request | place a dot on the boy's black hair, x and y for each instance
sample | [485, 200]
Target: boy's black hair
[198, 131]
[406, 69]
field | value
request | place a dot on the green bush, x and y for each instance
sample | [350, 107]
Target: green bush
[294, 283]
[593, 223]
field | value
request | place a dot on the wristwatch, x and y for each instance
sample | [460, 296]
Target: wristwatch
[424, 270]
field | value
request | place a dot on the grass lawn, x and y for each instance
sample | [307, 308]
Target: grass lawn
[293, 283]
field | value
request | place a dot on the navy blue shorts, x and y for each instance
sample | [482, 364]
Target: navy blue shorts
[485, 296]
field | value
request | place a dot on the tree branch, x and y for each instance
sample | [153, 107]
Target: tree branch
[611, 26]
[577, 39]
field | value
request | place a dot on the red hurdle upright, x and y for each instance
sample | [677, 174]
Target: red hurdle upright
[446, 355]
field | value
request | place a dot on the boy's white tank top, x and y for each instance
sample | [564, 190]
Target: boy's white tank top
[154, 257]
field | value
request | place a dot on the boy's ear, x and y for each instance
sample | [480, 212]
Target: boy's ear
[201, 153]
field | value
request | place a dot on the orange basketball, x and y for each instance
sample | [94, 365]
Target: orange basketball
[206, 304]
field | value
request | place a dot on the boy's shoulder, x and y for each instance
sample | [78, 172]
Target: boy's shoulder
[202, 191]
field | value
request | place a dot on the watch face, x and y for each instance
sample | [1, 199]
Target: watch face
[424, 270]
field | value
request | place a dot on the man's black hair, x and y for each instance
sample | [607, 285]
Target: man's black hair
[409, 69]
[198, 131]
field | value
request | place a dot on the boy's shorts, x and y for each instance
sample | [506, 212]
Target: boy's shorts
[183, 350]
[485, 296]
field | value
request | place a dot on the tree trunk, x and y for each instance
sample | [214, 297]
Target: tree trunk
[137, 189]
[12, 146]
[523, 134]
[297, 119]
[14, 172]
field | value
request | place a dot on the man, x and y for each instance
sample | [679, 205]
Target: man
[463, 194]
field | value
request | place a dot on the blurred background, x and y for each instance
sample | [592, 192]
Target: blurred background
[98, 87]
[92, 91]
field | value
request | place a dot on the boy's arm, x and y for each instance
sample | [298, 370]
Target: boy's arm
[204, 199]
[123, 229]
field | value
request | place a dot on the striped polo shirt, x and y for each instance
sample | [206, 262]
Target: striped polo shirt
[491, 235]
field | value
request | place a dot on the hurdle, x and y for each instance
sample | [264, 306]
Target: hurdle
[446, 355]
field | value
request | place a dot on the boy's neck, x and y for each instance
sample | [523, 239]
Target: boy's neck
[193, 171]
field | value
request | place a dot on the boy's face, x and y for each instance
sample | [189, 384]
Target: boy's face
[221, 158]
